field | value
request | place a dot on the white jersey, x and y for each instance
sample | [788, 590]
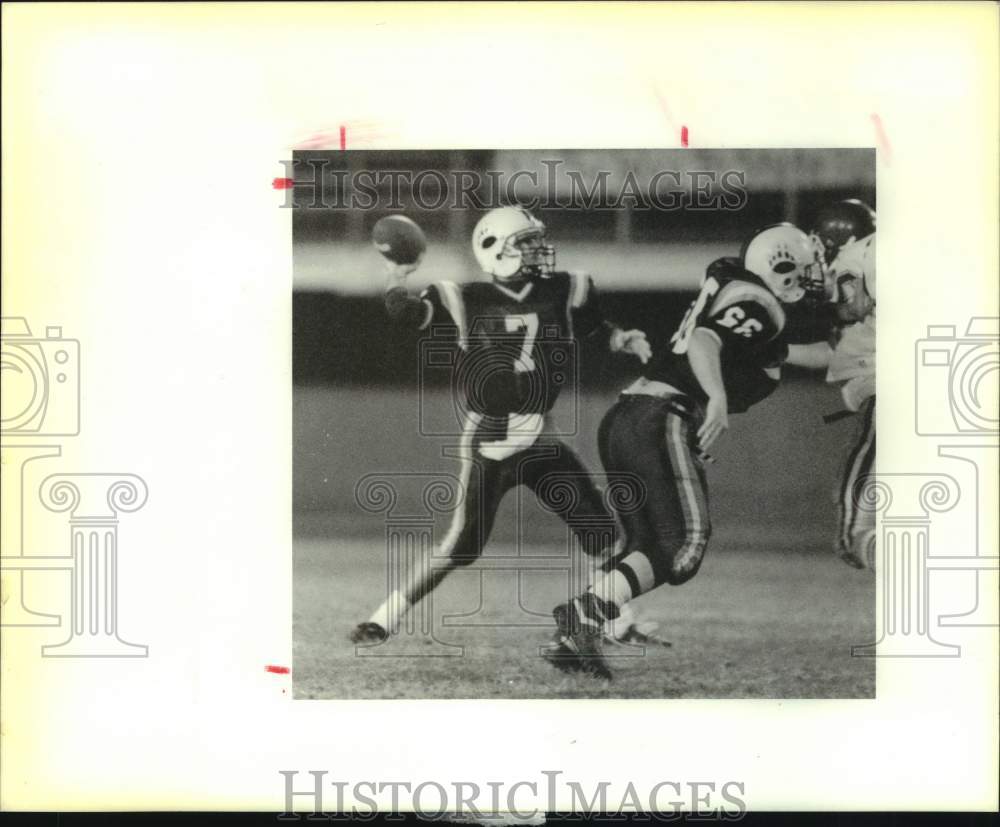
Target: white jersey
[853, 363]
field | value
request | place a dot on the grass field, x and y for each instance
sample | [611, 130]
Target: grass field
[756, 622]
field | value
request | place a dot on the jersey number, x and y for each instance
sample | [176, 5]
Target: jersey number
[737, 320]
[527, 324]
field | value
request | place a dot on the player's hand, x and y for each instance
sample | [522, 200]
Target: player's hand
[716, 422]
[635, 343]
[396, 274]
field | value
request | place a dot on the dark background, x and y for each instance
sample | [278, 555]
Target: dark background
[356, 376]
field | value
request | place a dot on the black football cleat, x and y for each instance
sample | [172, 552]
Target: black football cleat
[561, 656]
[368, 633]
[580, 640]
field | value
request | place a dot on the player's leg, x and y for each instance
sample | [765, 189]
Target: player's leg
[566, 487]
[579, 649]
[488, 481]
[856, 526]
[485, 482]
[658, 447]
[580, 622]
[634, 534]
[631, 521]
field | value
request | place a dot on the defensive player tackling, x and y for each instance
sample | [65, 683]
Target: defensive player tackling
[725, 357]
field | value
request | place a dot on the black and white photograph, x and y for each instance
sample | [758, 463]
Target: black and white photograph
[466, 412]
[583, 423]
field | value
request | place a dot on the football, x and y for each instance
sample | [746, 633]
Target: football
[399, 239]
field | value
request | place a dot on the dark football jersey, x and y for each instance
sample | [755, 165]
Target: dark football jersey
[806, 323]
[516, 339]
[738, 309]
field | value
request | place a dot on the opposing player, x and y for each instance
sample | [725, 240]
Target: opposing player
[839, 224]
[725, 356]
[851, 364]
[844, 235]
[514, 334]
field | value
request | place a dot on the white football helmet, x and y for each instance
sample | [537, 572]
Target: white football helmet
[784, 258]
[509, 242]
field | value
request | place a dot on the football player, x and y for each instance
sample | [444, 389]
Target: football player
[835, 226]
[845, 240]
[514, 334]
[852, 364]
[724, 357]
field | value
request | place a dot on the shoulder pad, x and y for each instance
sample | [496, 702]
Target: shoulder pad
[725, 269]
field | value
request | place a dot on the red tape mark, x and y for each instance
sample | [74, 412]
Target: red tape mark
[684, 136]
[277, 670]
[881, 138]
[283, 183]
[343, 137]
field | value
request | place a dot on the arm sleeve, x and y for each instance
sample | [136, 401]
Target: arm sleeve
[805, 325]
[588, 318]
[587, 309]
[406, 310]
[413, 312]
[775, 352]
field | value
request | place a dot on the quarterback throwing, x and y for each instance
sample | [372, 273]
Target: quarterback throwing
[513, 334]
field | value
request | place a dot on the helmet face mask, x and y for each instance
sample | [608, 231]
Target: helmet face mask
[510, 243]
[538, 257]
[818, 282]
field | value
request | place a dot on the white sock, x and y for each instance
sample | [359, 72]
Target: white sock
[619, 627]
[612, 587]
[391, 612]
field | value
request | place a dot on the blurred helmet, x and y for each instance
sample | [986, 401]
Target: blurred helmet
[510, 242]
[840, 224]
[783, 257]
